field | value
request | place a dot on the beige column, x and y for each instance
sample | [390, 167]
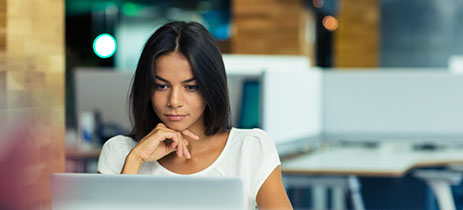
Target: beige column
[356, 41]
[32, 125]
[272, 27]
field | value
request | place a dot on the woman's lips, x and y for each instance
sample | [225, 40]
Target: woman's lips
[175, 117]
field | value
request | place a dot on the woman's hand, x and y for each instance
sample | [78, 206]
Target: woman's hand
[160, 142]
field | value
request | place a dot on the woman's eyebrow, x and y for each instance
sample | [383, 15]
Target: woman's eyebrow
[164, 80]
[160, 78]
[189, 80]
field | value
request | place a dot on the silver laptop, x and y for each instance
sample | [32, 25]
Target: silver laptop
[97, 191]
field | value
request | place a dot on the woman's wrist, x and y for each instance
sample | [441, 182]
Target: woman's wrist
[133, 163]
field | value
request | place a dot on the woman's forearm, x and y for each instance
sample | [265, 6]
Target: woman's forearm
[132, 164]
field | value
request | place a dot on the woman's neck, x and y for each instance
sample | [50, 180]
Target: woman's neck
[205, 142]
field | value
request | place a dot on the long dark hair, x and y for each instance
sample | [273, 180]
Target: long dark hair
[193, 41]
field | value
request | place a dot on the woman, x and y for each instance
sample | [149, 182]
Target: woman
[180, 114]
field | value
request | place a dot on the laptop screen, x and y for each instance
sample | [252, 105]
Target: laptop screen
[97, 191]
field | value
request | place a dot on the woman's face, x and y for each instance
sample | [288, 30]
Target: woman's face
[176, 99]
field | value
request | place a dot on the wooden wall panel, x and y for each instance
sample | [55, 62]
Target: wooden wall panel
[2, 63]
[356, 42]
[271, 27]
[32, 65]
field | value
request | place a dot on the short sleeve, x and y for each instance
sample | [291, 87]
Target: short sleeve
[113, 154]
[262, 158]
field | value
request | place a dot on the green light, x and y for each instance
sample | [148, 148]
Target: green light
[104, 46]
[131, 9]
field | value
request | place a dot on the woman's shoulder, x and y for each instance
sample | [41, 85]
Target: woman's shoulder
[113, 153]
[120, 141]
[252, 135]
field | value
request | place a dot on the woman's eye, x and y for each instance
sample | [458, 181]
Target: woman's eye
[161, 87]
[191, 87]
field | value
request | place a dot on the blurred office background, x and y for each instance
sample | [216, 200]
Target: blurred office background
[331, 33]
[44, 44]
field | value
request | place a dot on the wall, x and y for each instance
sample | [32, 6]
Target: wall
[420, 33]
[32, 67]
[357, 38]
[271, 27]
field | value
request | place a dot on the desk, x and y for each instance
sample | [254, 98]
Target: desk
[381, 161]
[77, 159]
[388, 159]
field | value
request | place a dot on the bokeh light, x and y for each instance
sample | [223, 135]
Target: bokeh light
[104, 46]
[317, 3]
[330, 23]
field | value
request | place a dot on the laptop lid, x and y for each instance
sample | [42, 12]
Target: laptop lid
[97, 191]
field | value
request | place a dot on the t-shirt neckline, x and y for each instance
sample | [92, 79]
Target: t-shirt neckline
[210, 167]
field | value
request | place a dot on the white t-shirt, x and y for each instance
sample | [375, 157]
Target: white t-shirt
[248, 153]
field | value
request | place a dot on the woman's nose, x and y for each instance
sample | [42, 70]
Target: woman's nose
[176, 98]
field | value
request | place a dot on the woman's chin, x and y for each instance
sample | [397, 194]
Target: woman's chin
[176, 126]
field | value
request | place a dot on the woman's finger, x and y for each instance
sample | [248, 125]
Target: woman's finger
[175, 137]
[161, 125]
[173, 144]
[156, 129]
[179, 142]
[190, 134]
[186, 151]
[180, 146]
